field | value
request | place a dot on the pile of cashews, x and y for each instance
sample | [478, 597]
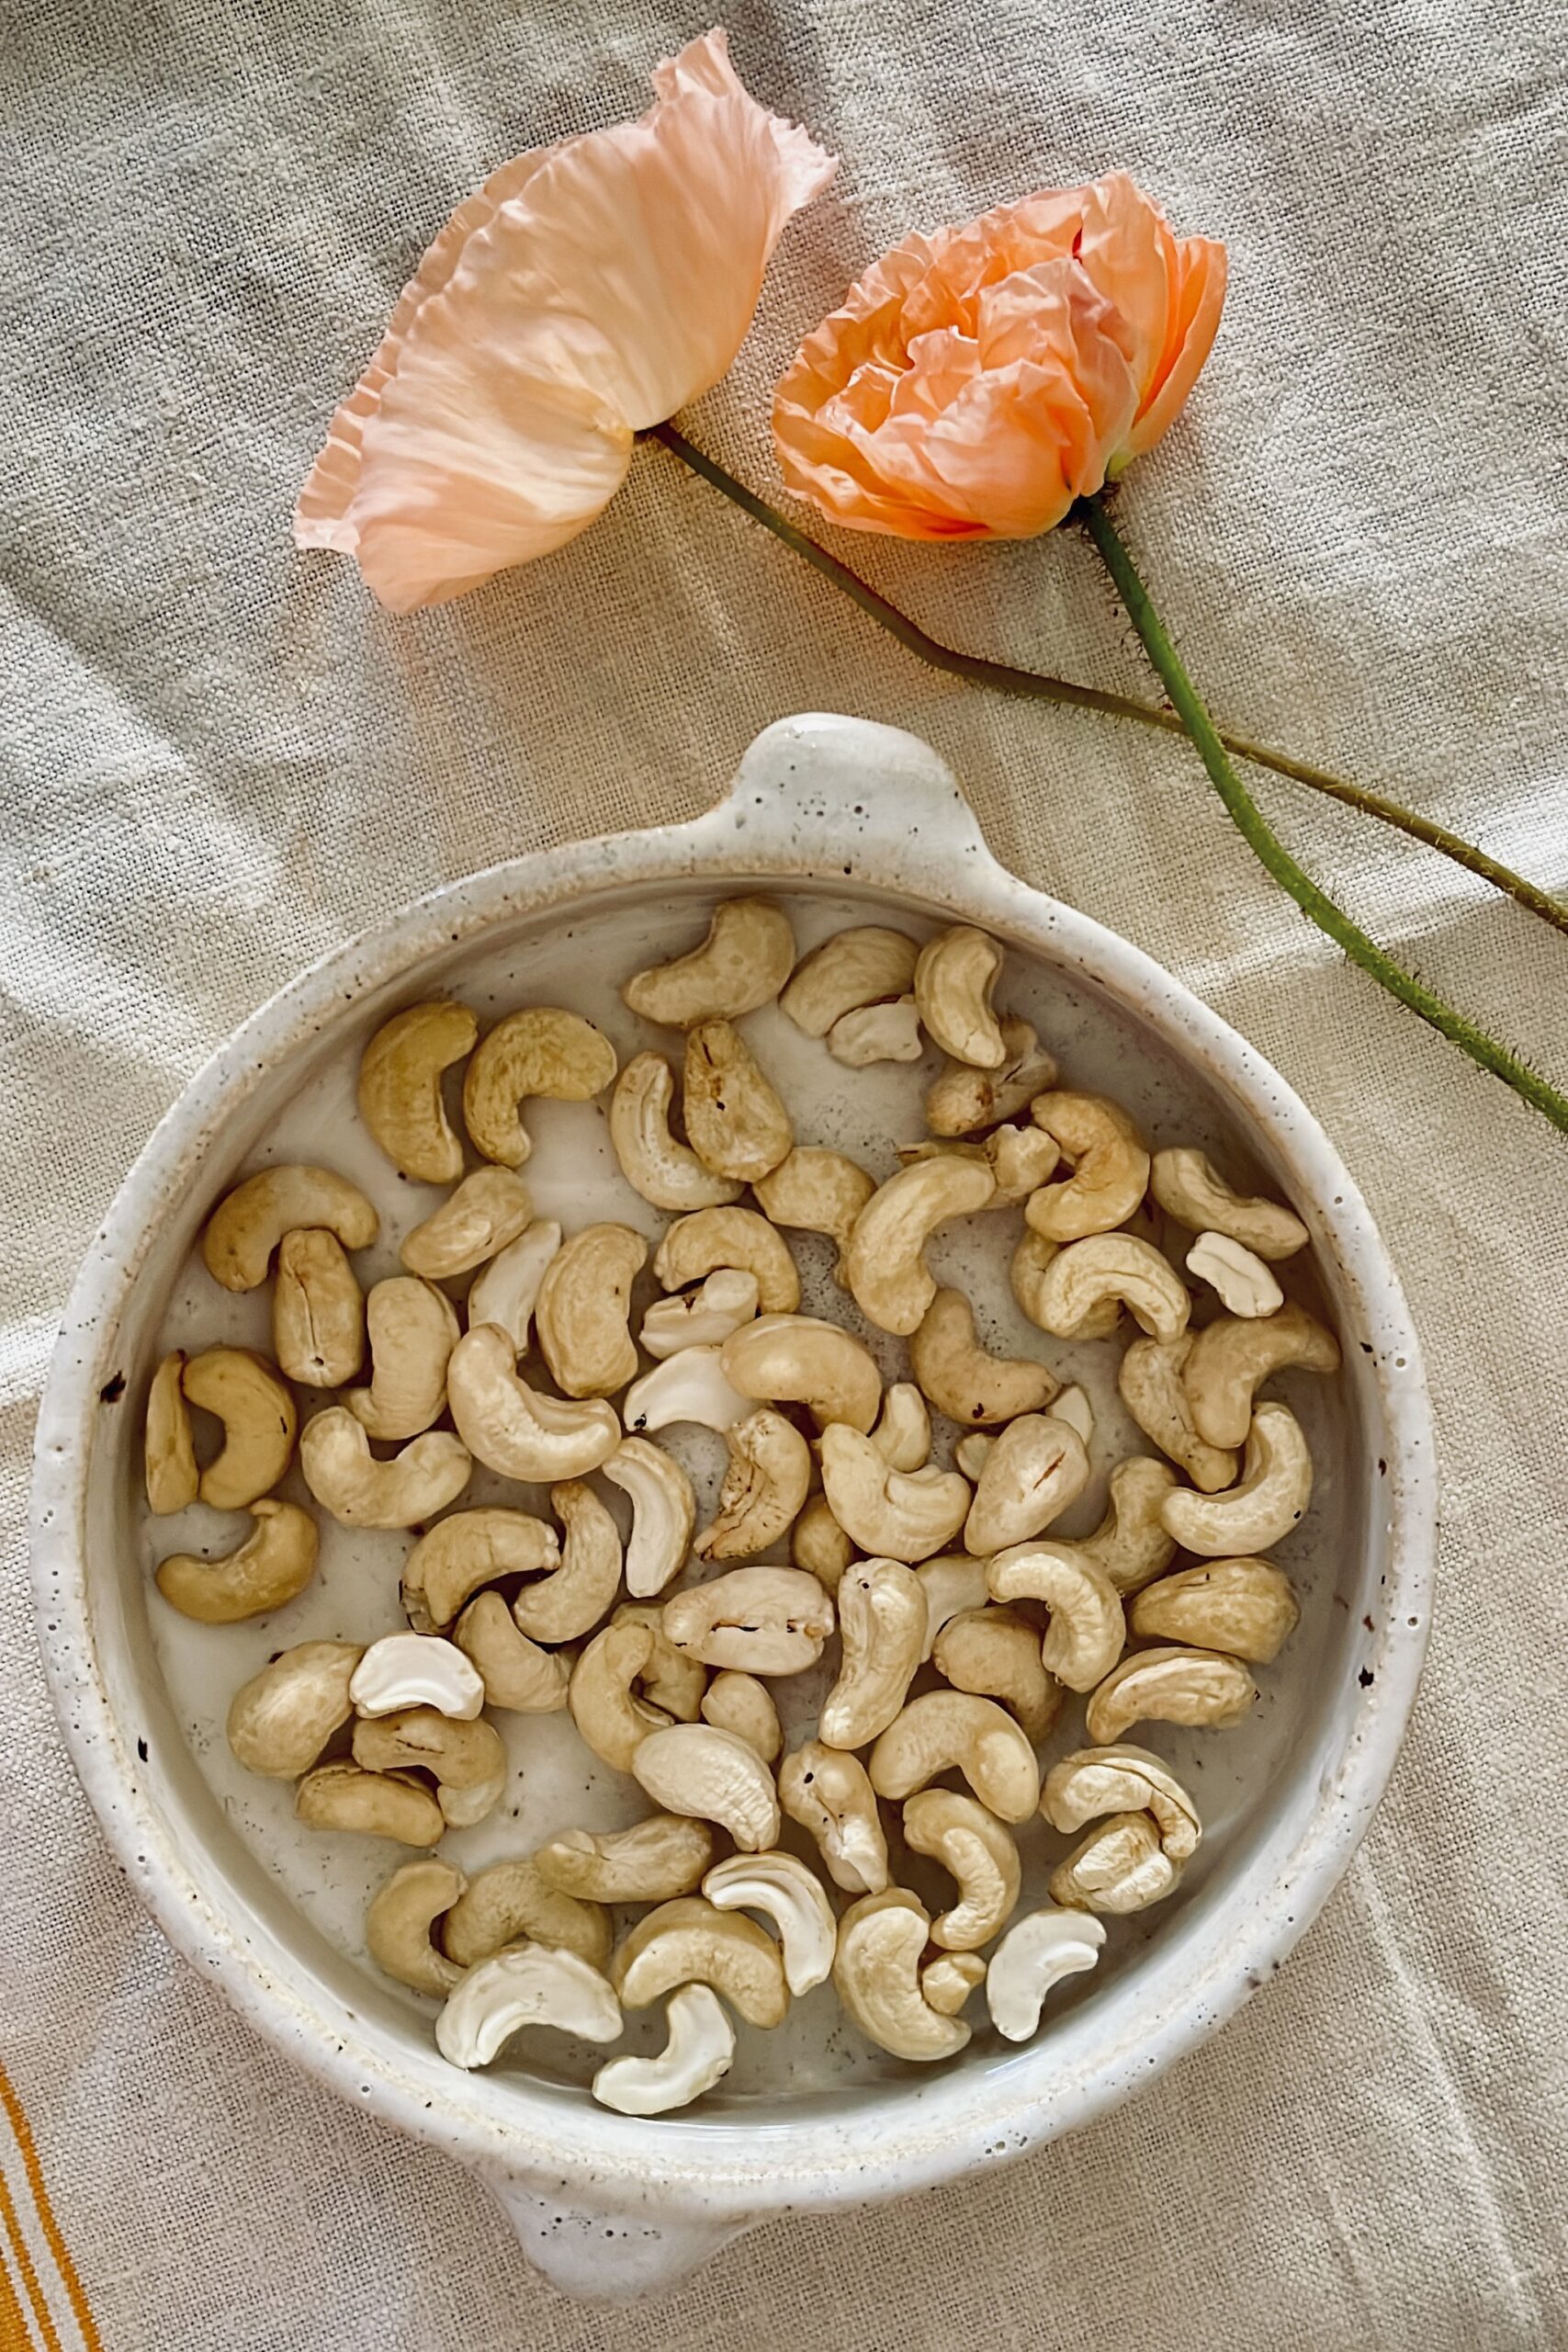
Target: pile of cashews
[960, 1627]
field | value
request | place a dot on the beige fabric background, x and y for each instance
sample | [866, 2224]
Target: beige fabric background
[219, 758]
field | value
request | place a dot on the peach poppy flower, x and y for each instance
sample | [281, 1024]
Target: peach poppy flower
[976, 381]
[587, 291]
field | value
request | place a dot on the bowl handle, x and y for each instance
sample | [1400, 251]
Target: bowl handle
[596, 2252]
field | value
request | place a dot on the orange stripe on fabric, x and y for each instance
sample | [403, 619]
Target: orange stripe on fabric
[57, 2247]
[22, 2254]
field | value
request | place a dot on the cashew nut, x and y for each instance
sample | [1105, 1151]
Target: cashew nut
[1187, 1187]
[949, 1979]
[259, 1424]
[672, 1681]
[760, 1621]
[512, 1901]
[1154, 1393]
[173, 1478]
[972, 1452]
[1019, 1158]
[1269, 1501]
[897, 1514]
[516, 1673]
[1120, 1867]
[571, 1603]
[248, 1224]
[540, 1050]
[400, 1088]
[697, 2055]
[963, 1100]
[518, 1430]
[414, 1330]
[1169, 1686]
[654, 1163]
[819, 1191]
[472, 1548]
[1131, 1543]
[663, 1856]
[583, 1309]
[738, 1702]
[1035, 1469]
[610, 1716]
[954, 1582]
[765, 1483]
[996, 1653]
[699, 1770]
[974, 1847]
[877, 1032]
[1088, 1632]
[318, 1315]
[691, 1942]
[1034, 1955]
[275, 1561]
[882, 1621]
[743, 963]
[903, 1431]
[1071, 1404]
[951, 1730]
[664, 1511]
[1232, 1359]
[466, 1759]
[485, 1211]
[798, 1359]
[534, 1984]
[1032, 1261]
[1244, 1283]
[829, 1793]
[376, 1805]
[877, 1973]
[953, 979]
[282, 1718]
[341, 1473]
[690, 1386]
[1111, 1167]
[709, 1238]
[786, 1891]
[817, 1542]
[1113, 1265]
[861, 966]
[885, 1262]
[416, 1670]
[1097, 1780]
[736, 1125]
[506, 1291]
[1243, 1606]
[703, 1317]
[961, 1379]
[398, 1925]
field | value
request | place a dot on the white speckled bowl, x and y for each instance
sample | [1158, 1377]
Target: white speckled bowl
[842, 821]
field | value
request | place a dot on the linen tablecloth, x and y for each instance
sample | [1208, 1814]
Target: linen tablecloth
[218, 757]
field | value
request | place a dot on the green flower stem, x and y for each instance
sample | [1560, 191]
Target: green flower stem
[1270, 850]
[1038, 686]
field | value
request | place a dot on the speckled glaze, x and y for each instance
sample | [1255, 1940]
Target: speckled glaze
[607, 2204]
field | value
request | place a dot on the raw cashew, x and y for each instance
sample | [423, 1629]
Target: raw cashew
[663, 1856]
[518, 1430]
[996, 1653]
[697, 1769]
[1071, 1404]
[414, 1330]
[507, 1289]
[461, 1757]
[259, 1424]
[1244, 1283]
[963, 1100]
[540, 1050]
[786, 1891]
[876, 1973]
[1088, 1631]
[1152, 1388]
[1032, 1261]
[949, 1979]
[471, 1549]
[1113, 1265]
[1270, 1500]
[1245, 1607]
[400, 1088]
[486, 1211]
[739, 1702]
[583, 1309]
[399, 1923]
[953, 979]
[282, 1718]
[896, 1514]
[672, 1681]
[760, 1621]
[1034, 1955]
[903, 1431]
[820, 1190]
[882, 1621]
[691, 1942]
[1232, 1359]
[1019, 1158]
[248, 1224]
[885, 1262]
[877, 1032]
[1111, 1167]
[736, 1125]
[533, 1984]
[961, 1379]
[318, 1313]
[1097, 1780]
[710, 1238]
[1131, 1543]
[798, 1359]
[952, 1583]
[973, 1847]
[610, 1716]
[743, 963]
[817, 1542]
[664, 1170]
[173, 1478]
[664, 1511]
[971, 1454]
[512, 1901]
[341, 1473]
[948, 1730]
[516, 1673]
[828, 1792]
[698, 2053]
[1120, 1867]
[1187, 1187]
[703, 1317]
[416, 1670]
[275, 1561]
[1035, 1469]
[862, 966]
[765, 1483]
[376, 1805]
[565, 1605]
[1169, 1686]
[690, 1386]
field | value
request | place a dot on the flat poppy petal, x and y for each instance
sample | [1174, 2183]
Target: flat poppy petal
[1194, 322]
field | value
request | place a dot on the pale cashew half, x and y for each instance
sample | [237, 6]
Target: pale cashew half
[1245, 1607]
[1035, 1469]
[1188, 1188]
[1232, 1359]
[697, 2055]
[533, 1984]
[507, 1290]
[518, 1430]
[343, 1473]
[786, 1891]
[318, 1313]
[760, 1621]
[1111, 1167]
[471, 1549]
[583, 1309]
[738, 1125]
[664, 1511]
[952, 1583]
[690, 1386]
[697, 1769]
[467, 1760]
[885, 1263]
[246, 1226]
[882, 1622]
[487, 1210]
[1169, 1686]
[654, 1859]
[972, 1452]
[565, 1605]
[765, 1483]
[739, 1702]
[413, 1330]
[1032, 1261]
[1097, 1780]
[703, 1317]
[877, 1032]
[1131, 1543]
[260, 1423]
[953, 979]
[516, 1673]
[949, 1730]
[376, 1805]
[961, 1379]
[1152, 1388]
[829, 1793]
[512, 1901]
[691, 1942]
[973, 1847]
[282, 1718]
[666, 1171]
[1034, 1955]
[820, 1190]
[275, 1561]
[996, 1653]
[416, 1670]
[1245, 1285]
[743, 963]
[540, 1050]
[1120, 1867]
[398, 1925]
[963, 1100]
[1269, 1501]
[896, 1514]
[1071, 1404]
[949, 1979]
[400, 1088]
[1113, 1265]
[903, 1431]
[798, 1359]
[672, 1681]
[1088, 1632]
[862, 966]
[817, 1542]
[877, 1973]
[610, 1716]
[709, 1238]
[173, 1478]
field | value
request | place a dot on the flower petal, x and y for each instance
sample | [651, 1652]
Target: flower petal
[1194, 322]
